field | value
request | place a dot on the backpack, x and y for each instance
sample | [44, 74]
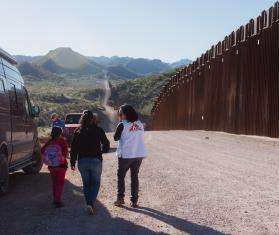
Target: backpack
[52, 155]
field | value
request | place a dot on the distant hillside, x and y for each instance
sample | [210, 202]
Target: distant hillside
[64, 57]
[24, 58]
[140, 66]
[50, 65]
[121, 72]
[180, 63]
[65, 60]
[144, 66]
[35, 72]
[111, 61]
[62, 94]
[139, 92]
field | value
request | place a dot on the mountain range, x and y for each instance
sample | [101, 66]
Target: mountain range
[64, 60]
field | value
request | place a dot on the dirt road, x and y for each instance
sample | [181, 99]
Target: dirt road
[109, 111]
[192, 183]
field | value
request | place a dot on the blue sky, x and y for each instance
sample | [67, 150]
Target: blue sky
[164, 29]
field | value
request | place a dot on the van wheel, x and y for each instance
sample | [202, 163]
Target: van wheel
[37, 164]
[4, 174]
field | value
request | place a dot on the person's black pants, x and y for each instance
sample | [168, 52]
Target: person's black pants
[123, 166]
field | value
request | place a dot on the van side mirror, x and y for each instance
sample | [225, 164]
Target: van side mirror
[35, 111]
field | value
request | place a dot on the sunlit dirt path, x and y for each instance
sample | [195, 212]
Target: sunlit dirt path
[192, 183]
[109, 111]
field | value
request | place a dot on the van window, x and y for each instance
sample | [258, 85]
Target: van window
[20, 104]
[13, 99]
[12, 73]
[6, 63]
[1, 68]
[2, 87]
[27, 105]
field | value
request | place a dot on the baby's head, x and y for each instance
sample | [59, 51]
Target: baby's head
[54, 116]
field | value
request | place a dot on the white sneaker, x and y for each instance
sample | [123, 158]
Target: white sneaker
[89, 210]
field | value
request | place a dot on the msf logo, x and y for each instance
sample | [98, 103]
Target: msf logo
[135, 127]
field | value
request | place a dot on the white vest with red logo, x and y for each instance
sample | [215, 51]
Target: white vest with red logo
[131, 143]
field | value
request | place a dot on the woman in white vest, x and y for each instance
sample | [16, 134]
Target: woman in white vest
[130, 151]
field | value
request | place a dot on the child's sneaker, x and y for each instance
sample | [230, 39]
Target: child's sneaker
[119, 202]
[58, 204]
[89, 210]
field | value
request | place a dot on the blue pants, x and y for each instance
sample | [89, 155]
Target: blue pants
[90, 170]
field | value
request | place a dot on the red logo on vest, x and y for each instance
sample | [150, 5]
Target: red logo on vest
[135, 127]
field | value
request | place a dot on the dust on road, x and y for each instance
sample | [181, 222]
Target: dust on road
[192, 183]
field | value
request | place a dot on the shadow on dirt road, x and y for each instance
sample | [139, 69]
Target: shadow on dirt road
[178, 223]
[27, 210]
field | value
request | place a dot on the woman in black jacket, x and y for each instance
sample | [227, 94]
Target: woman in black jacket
[89, 142]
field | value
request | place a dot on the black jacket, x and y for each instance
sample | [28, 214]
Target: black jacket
[89, 142]
[118, 131]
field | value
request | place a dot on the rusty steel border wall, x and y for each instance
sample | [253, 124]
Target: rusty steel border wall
[233, 87]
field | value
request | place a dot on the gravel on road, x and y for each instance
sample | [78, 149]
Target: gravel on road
[193, 182]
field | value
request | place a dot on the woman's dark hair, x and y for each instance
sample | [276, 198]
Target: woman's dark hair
[129, 112]
[56, 133]
[86, 118]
